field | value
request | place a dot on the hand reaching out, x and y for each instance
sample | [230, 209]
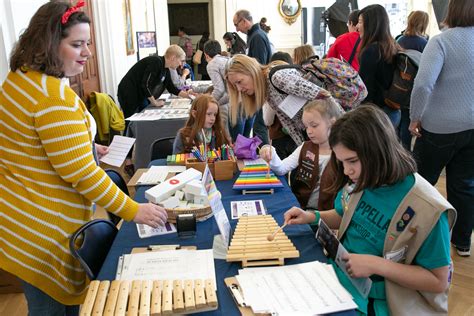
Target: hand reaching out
[266, 153]
[155, 102]
[151, 215]
[295, 216]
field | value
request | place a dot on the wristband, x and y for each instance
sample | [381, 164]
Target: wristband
[317, 215]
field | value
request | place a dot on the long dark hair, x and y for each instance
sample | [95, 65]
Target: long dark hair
[238, 44]
[38, 46]
[377, 30]
[383, 159]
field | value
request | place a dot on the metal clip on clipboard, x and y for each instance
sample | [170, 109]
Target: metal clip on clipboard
[235, 291]
[236, 294]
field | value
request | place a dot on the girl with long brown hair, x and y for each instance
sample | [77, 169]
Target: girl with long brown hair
[204, 126]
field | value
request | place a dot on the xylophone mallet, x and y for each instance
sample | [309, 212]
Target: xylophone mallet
[271, 237]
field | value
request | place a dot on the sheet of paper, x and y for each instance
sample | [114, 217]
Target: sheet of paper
[152, 177]
[292, 104]
[301, 289]
[218, 248]
[166, 112]
[118, 150]
[169, 265]
[158, 174]
[336, 251]
[145, 231]
[164, 96]
[247, 208]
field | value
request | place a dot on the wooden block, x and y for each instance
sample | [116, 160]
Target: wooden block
[178, 300]
[167, 300]
[101, 298]
[165, 189]
[189, 302]
[199, 294]
[210, 293]
[134, 301]
[86, 309]
[145, 297]
[112, 298]
[122, 299]
[155, 309]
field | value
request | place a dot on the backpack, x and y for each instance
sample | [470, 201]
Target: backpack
[398, 95]
[333, 75]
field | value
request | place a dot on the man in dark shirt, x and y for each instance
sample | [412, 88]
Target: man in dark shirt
[147, 79]
[259, 48]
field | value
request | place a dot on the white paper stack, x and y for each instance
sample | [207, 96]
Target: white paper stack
[302, 289]
[167, 265]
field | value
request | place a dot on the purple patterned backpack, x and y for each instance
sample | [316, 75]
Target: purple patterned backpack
[335, 76]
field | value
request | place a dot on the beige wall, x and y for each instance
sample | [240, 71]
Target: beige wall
[114, 63]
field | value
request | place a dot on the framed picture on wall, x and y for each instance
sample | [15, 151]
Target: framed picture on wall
[146, 43]
[128, 28]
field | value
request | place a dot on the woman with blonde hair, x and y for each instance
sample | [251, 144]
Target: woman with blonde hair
[249, 88]
[302, 53]
[414, 36]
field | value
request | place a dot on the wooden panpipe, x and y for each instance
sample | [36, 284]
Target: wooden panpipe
[147, 297]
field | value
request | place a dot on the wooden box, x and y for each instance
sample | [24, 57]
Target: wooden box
[220, 169]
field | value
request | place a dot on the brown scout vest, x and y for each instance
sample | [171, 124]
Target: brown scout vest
[307, 177]
[428, 205]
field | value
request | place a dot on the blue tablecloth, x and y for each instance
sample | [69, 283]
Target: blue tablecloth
[301, 235]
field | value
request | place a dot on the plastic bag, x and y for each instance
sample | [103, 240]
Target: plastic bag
[246, 148]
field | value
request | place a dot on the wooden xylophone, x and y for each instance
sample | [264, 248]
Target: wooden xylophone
[147, 297]
[249, 243]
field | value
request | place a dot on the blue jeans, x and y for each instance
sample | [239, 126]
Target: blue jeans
[244, 126]
[455, 152]
[393, 115]
[40, 303]
[403, 132]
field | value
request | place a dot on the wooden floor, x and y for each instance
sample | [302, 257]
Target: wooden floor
[461, 295]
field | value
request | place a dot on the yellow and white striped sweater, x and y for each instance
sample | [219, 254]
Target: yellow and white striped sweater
[47, 179]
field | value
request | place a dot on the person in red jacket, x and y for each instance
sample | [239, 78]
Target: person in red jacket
[345, 43]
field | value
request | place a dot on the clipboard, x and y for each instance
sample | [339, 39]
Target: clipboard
[234, 289]
[120, 262]
[161, 248]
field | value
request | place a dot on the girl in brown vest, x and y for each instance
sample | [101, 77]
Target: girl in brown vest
[311, 157]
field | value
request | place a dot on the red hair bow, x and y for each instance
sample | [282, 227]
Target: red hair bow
[71, 10]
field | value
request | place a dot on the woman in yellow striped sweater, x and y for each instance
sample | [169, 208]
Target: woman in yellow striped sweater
[48, 176]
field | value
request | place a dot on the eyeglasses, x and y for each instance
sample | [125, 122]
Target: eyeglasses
[237, 24]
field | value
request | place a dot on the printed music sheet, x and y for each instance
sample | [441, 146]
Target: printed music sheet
[118, 150]
[169, 265]
[301, 289]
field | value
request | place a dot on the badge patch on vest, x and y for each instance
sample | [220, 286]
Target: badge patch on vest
[406, 218]
[305, 170]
